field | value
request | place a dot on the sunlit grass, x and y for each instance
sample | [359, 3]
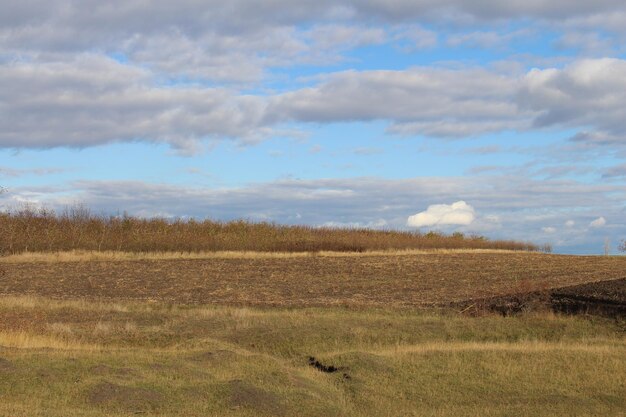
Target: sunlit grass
[114, 358]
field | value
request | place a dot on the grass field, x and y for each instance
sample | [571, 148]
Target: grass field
[233, 335]
[77, 358]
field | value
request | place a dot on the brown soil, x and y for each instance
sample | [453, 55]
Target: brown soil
[402, 280]
[246, 395]
[6, 365]
[606, 298]
[128, 398]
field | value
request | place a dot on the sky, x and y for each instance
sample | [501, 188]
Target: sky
[504, 119]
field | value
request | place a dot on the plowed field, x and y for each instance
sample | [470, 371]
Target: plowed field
[362, 280]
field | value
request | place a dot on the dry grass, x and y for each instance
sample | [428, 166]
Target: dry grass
[71, 358]
[88, 256]
[40, 230]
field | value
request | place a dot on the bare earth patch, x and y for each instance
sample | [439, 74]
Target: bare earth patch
[128, 398]
[403, 280]
[6, 366]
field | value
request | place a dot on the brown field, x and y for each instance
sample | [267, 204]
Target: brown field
[119, 334]
[403, 279]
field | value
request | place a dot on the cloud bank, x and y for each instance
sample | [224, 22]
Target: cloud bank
[94, 100]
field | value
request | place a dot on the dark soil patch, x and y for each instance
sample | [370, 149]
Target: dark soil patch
[128, 398]
[243, 394]
[605, 298]
[329, 369]
[6, 365]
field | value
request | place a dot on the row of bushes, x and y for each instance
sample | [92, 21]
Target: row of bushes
[77, 228]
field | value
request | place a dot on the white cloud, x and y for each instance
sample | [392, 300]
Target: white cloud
[459, 213]
[588, 92]
[599, 222]
[570, 223]
[548, 229]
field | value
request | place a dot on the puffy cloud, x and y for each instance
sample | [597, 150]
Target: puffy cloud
[570, 223]
[548, 229]
[599, 222]
[459, 213]
[589, 92]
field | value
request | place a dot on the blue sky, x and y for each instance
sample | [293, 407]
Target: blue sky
[499, 118]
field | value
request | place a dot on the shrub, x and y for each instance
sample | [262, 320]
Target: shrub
[77, 228]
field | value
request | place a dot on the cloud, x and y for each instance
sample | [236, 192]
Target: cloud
[570, 223]
[615, 172]
[430, 101]
[590, 43]
[486, 39]
[548, 229]
[94, 100]
[599, 222]
[457, 103]
[588, 92]
[459, 213]
[20, 172]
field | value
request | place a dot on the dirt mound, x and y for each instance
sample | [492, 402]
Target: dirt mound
[6, 365]
[246, 395]
[128, 398]
[606, 298]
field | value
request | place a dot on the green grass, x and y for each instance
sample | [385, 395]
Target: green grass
[77, 358]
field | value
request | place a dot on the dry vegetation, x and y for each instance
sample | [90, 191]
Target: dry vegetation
[79, 358]
[43, 230]
[125, 316]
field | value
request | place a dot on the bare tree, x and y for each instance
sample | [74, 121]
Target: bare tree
[2, 270]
